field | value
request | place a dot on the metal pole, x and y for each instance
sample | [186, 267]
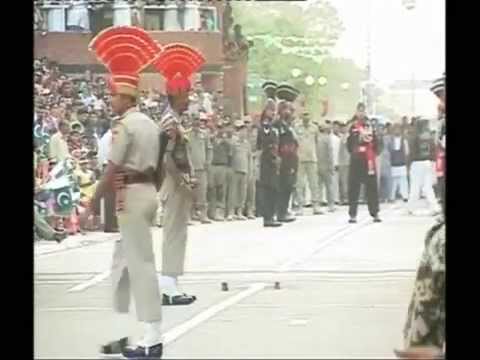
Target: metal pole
[410, 6]
[369, 59]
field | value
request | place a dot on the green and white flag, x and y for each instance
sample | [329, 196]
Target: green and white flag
[63, 201]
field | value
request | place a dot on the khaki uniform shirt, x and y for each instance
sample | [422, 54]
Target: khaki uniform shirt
[200, 149]
[307, 137]
[135, 142]
[222, 151]
[324, 153]
[241, 155]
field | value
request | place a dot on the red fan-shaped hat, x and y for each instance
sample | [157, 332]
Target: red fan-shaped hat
[125, 51]
[177, 62]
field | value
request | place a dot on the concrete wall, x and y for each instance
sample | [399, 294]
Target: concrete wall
[72, 48]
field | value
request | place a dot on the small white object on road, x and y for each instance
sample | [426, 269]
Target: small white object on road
[298, 322]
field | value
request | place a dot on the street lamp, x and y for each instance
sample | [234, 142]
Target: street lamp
[296, 73]
[309, 80]
[322, 81]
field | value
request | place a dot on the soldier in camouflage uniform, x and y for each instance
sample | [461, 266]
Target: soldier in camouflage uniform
[424, 331]
[425, 324]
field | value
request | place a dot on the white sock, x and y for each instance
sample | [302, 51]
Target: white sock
[152, 334]
[121, 322]
[168, 284]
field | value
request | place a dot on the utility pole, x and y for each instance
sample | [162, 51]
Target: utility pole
[410, 6]
[368, 87]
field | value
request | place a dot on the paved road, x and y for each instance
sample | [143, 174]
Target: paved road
[344, 290]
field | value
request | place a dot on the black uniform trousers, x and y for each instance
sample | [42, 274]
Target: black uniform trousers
[269, 197]
[285, 189]
[358, 175]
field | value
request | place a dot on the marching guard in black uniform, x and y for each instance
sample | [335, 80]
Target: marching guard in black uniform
[267, 143]
[287, 150]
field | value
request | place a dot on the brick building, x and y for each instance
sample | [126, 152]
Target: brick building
[64, 31]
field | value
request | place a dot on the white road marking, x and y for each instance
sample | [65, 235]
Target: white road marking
[66, 309]
[327, 240]
[93, 281]
[178, 331]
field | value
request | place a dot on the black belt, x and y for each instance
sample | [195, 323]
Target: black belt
[139, 178]
[220, 164]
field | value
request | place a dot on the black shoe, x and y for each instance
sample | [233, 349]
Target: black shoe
[287, 219]
[183, 299]
[377, 219]
[272, 224]
[140, 352]
[115, 347]
[352, 221]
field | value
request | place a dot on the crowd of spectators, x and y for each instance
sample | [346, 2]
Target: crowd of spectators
[72, 114]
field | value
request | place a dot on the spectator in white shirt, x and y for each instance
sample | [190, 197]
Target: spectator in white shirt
[104, 146]
[398, 152]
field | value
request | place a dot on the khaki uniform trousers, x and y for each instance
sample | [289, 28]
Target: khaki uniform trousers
[325, 180]
[175, 226]
[200, 191]
[307, 172]
[252, 188]
[229, 200]
[133, 266]
[217, 184]
[238, 190]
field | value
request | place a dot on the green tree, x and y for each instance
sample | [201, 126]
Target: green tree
[287, 36]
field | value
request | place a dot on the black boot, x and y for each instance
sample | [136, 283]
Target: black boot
[140, 352]
[115, 347]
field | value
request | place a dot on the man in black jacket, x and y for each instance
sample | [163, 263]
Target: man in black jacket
[363, 146]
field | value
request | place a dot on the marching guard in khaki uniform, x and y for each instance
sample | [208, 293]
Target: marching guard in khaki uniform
[132, 166]
[180, 181]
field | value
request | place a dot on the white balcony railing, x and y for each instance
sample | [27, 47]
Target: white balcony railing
[77, 16]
